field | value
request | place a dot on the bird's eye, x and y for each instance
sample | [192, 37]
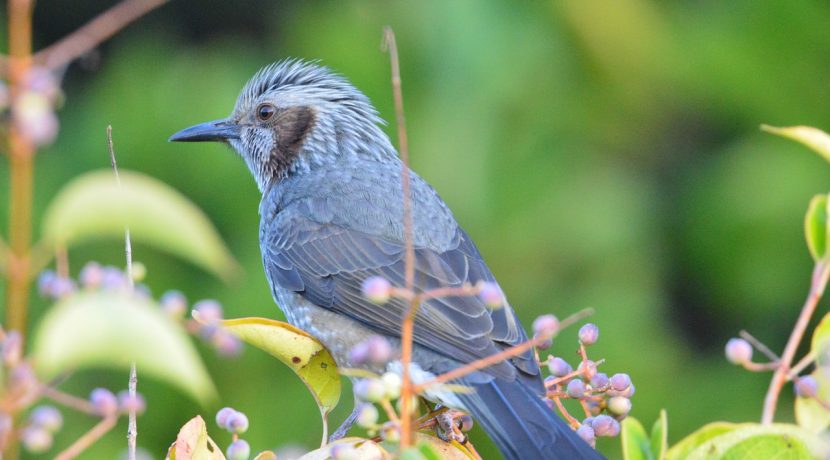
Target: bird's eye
[265, 112]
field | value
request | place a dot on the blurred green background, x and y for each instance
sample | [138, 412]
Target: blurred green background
[603, 154]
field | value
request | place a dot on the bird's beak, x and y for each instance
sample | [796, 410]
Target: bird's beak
[217, 130]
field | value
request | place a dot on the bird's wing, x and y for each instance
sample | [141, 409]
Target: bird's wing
[327, 263]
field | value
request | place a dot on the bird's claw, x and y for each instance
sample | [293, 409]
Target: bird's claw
[446, 428]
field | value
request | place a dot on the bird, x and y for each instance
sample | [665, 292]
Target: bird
[331, 217]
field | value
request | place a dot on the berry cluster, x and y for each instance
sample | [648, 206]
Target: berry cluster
[23, 388]
[96, 277]
[604, 400]
[33, 110]
[236, 423]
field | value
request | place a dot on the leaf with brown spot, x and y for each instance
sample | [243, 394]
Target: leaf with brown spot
[304, 354]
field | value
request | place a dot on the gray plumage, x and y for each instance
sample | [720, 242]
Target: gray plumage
[332, 216]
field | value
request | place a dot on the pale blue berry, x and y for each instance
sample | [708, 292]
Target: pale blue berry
[806, 387]
[174, 303]
[559, 367]
[588, 334]
[237, 423]
[620, 382]
[490, 293]
[131, 403]
[46, 417]
[377, 289]
[576, 388]
[738, 351]
[605, 425]
[619, 405]
[368, 416]
[587, 434]
[238, 450]
[36, 439]
[545, 325]
[209, 310]
[103, 401]
[223, 415]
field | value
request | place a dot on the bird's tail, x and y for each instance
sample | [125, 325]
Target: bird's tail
[522, 425]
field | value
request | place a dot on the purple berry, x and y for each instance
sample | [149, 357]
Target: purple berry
[113, 279]
[370, 390]
[465, 423]
[806, 387]
[62, 287]
[103, 401]
[620, 382]
[599, 381]
[738, 351]
[226, 343]
[174, 303]
[587, 434]
[390, 432]
[45, 283]
[368, 416]
[559, 367]
[92, 275]
[543, 344]
[605, 425]
[46, 417]
[374, 350]
[237, 423]
[491, 294]
[619, 406]
[238, 450]
[576, 389]
[588, 334]
[209, 311]
[223, 415]
[545, 325]
[377, 289]
[131, 403]
[35, 439]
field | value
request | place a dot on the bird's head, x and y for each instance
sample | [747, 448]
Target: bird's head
[292, 116]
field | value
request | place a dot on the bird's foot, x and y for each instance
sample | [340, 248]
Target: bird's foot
[447, 429]
[347, 424]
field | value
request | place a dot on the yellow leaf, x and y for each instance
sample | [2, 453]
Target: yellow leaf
[304, 354]
[364, 449]
[193, 443]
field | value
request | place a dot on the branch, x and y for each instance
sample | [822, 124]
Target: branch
[779, 378]
[88, 438]
[93, 33]
[409, 261]
[132, 427]
[479, 364]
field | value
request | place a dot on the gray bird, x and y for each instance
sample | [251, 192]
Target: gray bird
[332, 216]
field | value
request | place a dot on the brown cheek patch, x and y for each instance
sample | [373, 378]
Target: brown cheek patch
[291, 127]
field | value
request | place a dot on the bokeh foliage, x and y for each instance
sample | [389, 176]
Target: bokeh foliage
[602, 154]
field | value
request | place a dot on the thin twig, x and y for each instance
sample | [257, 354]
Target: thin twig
[88, 439]
[574, 422]
[409, 261]
[132, 427]
[61, 261]
[802, 364]
[482, 363]
[779, 378]
[760, 367]
[68, 400]
[759, 345]
[93, 33]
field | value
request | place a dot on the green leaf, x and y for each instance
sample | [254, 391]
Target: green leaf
[751, 441]
[635, 442]
[111, 329]
[93, 206]
[304, 354]
[193, 443]
[660, 436]
[691, 442]
[813, 138]
[815, 226]
[809, 413]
